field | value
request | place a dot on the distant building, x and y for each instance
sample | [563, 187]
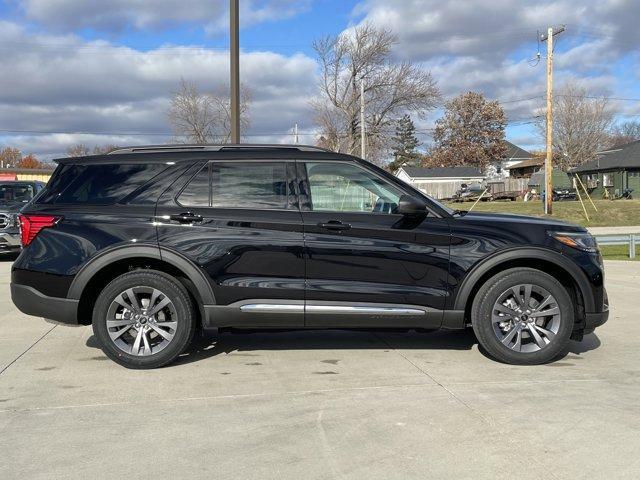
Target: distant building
[25, 174]
[515, 155]
[614, 170]
[440, 182]
[526, 168]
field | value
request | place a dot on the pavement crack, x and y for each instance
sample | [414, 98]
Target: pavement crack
[29, 348]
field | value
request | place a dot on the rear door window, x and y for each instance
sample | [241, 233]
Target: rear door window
[249, 185]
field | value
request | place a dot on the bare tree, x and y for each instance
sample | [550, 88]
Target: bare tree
[205, 117]
[10, 157]
[581, 125]
[624, 133]
[471, 132]
[77, 150]
[363, 54]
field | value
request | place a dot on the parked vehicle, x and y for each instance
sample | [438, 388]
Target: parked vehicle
[13, 196]
[626, 195]
[560, 194]
[152, 244]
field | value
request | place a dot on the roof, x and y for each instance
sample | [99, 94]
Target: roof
[514, 152]
[626, 156]
[532, 162]
[443, 172]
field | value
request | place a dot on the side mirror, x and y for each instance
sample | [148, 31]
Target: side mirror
[411, 206]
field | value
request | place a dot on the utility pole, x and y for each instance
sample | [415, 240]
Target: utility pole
[235, 69]
[548, 164]
[296, 140]
[363, 132]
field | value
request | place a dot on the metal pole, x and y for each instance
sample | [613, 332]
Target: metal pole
[548, 164]
[295, 134]
[235, 69]
[363, 133]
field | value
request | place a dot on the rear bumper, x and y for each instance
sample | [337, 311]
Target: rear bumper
[9, 242]
[32, 302]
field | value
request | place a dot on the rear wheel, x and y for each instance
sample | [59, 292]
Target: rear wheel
[523, 316]
[144, 319]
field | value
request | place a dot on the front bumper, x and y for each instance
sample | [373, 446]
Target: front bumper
[32, 302]
[594, 320]
[10, 242]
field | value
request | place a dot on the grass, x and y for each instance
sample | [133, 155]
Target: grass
[616, 252]
[611, 213]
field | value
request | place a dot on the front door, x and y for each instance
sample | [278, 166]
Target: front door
[239, 221]
[367, 265]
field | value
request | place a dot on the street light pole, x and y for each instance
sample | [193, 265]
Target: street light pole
[235, 69]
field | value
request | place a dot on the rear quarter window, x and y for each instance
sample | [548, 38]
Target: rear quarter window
[103, 184]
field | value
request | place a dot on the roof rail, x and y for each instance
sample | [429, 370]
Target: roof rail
[213, 148]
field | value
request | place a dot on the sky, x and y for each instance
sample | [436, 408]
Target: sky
[78, 71]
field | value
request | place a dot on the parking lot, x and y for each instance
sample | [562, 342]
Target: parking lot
[321, 405]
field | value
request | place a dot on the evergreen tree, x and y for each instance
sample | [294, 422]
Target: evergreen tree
[404, 144]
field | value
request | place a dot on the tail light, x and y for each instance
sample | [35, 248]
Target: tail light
[30, 226]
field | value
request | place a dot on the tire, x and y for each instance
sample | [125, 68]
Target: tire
[536, 337]
[165, 333]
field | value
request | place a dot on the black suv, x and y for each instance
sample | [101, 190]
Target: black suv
[151, 244]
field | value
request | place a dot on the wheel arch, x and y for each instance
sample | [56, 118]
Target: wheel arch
[98, 272]
[541, 259]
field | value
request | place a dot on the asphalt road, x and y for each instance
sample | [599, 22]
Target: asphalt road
[321, 405]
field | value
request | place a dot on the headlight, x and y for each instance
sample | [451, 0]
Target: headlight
[580, 240]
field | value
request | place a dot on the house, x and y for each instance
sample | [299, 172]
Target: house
[514, 155]
[526, 168]
[440, 182]
[614, 170]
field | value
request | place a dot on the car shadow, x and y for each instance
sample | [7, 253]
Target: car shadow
[207, 344]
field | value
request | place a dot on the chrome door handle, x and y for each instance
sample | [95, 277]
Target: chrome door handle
[187, 217]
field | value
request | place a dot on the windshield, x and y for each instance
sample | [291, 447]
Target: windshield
[16, 192]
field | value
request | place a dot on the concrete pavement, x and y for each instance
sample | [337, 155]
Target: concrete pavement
[321, 405]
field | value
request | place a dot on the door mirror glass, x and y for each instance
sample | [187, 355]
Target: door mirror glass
[411, 206]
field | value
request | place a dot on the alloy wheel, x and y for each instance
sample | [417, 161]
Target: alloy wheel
[526, 318]
[142, 321]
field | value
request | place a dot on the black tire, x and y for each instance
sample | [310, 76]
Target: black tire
[483, 308]
[183, 309]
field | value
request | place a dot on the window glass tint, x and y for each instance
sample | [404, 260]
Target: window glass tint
[16, 192]
[249, 185]
[103, 184]
[197, 192]
[341, 187]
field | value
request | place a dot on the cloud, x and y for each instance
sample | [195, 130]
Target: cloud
[83, 86]
[117, 15]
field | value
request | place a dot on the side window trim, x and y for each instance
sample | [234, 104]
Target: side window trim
[188, 182]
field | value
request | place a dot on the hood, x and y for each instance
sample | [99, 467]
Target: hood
[522, 220]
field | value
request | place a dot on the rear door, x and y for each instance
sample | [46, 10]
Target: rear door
[239, 221]
[367, 265]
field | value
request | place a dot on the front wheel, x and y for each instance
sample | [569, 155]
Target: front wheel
[523, 316]
[144, 319]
